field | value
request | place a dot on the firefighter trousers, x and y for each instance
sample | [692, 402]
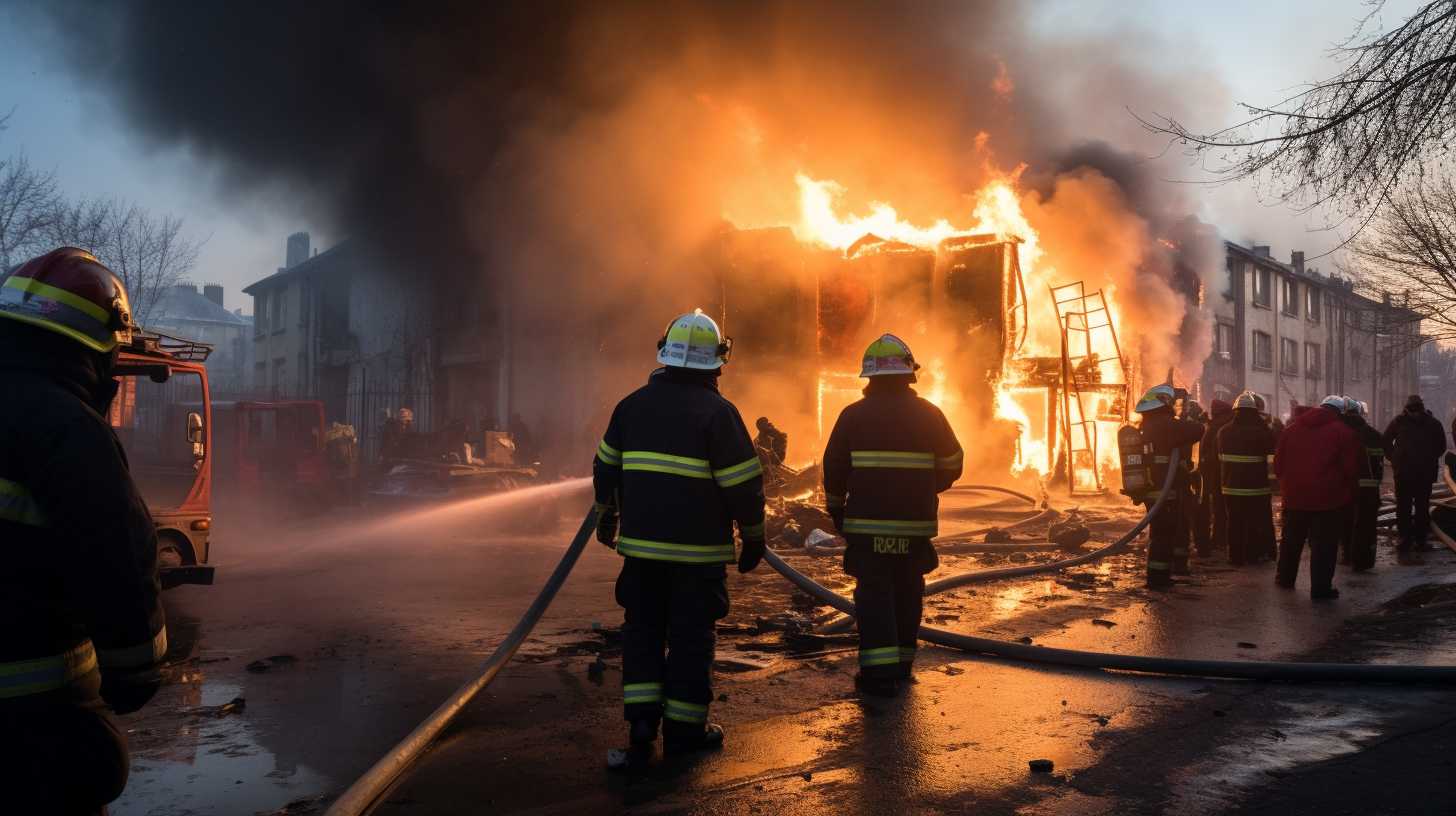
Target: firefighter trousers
[1163, 533]
[1321, 528]
[668, 639]
[1412, 510]
[1357, 537]
[1218, 510]
[60, 758]
[1187, 519]
[889, 596]
[1249, 528]
[1202, 519]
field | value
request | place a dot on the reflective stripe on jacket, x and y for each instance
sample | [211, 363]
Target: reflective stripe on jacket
[1244, 447]
[678, 463]
[888, 456]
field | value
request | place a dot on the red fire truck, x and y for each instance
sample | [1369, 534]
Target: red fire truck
[163, 416]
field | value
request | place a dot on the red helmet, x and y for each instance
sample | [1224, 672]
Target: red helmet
[69, 292]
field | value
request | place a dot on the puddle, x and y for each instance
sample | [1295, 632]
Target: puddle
[210, 766]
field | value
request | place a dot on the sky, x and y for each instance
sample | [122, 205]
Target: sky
[1257, 49]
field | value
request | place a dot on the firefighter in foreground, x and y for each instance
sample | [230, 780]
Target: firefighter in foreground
[1162, 432]
[676, 469]
[1318, 463]
[888, 457]
[79, 591]
[1243, 447]
[1416, 441]
[1357, 539]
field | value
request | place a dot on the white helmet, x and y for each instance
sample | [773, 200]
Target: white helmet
[1352, 406]
[1334, 401]
[1248, 399]
[886, 356]
[694, 341]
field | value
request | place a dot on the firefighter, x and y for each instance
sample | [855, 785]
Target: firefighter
[1243, 446]
[1357, 540]
[676, 469]
[79, 592]
[1211, 470]
[772, 442]
[1163, 432]
[1318, 463]
[889, 455]
[1415, 440]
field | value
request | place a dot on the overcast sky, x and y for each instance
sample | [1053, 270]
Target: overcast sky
[1257, 49]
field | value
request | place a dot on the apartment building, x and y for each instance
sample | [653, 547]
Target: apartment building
[1293, 335]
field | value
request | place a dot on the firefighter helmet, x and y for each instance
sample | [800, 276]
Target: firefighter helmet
[886, 356]
[694, 341]
[1248, 399]
[1334, 402]
[69, 292]
[1159, 396]
[1352, 406]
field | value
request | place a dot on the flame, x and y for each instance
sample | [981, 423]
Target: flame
[998, 209]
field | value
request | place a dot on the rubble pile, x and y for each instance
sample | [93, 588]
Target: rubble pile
[790, 520]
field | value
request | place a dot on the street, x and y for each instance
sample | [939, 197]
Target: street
[338, 644]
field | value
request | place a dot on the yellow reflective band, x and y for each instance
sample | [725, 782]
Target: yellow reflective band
[834, 501]
[678, 553]
[1157, 565]
[1370, 483]
[141, 655]
[1238, 457]
[608, 454]
[667, 463]
[45, 290]
[917, 529]
[642, 693]
[1246, 491]
[739, 473]
[754, 531]
[907, 654]
[911, 460]
[18, 505]
[685, 712]
[24, 677]
[1375, 451]
[884, 656]
[952, 461]
[1161, 460]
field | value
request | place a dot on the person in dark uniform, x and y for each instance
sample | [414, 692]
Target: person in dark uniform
[1244, 445]
[1358, 539]
[675, 471]
[1193, 529]
[1210, 473]
[1318, 463]
[772, 441]
[888, 457]
[79, 590]
[1162, 432]
[1415, 440]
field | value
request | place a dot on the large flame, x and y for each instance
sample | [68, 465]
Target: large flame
[999, 210]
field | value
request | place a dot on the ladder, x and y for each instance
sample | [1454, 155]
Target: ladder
[1094, 383]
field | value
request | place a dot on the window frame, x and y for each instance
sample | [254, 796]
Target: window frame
[1267, 363]
[1285, 344]
[1313, 365]
[1263, 275]
[1288, 296]
[1313, 304]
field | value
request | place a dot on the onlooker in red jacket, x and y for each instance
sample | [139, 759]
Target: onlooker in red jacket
[1318, 464]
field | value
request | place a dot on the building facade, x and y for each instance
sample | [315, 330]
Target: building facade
[183, 311]
[1293, 335]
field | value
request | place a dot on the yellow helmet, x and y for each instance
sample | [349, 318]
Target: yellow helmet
[693, 340]
[886, 356]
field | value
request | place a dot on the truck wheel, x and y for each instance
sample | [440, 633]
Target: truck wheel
[172, 551]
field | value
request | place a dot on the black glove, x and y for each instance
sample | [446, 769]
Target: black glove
[127, 690]
[752, 554]
[607, 526]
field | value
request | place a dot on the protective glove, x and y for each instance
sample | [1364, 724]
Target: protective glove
[127, 690]
[752, 554]
[607, 520]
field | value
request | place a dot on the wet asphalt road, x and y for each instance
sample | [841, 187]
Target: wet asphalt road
[382, 626]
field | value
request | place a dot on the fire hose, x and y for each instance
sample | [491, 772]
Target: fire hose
[371, 787]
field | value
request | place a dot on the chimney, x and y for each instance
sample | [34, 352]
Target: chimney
[297, 249]
[1296, 260]
[187, 286]
[1261, 250]
[213, 292]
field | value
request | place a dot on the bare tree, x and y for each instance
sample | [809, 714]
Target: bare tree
[1410, 248]
[1350, 140]
[27, 203]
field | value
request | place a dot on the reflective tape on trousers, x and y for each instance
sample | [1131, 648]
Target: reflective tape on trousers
[642, 693]
[916, 529]
[685, 712]
[882, 656]
[678, 553]
[140, 655]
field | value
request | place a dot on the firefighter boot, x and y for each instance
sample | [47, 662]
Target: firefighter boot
[644, 732]
[681, 738]
[876, 686]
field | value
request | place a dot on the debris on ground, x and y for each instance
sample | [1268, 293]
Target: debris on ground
[822, 541]
[233, 706]
[789, 520]
[1102, 622]
[1041, 765]
[1244, 644]
[996, 535]
[270, 663]
[1069, 533]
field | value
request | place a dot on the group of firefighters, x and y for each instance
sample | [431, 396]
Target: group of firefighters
[1327, 466]
[673, 474]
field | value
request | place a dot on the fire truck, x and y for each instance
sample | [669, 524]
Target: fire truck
[163, 415]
